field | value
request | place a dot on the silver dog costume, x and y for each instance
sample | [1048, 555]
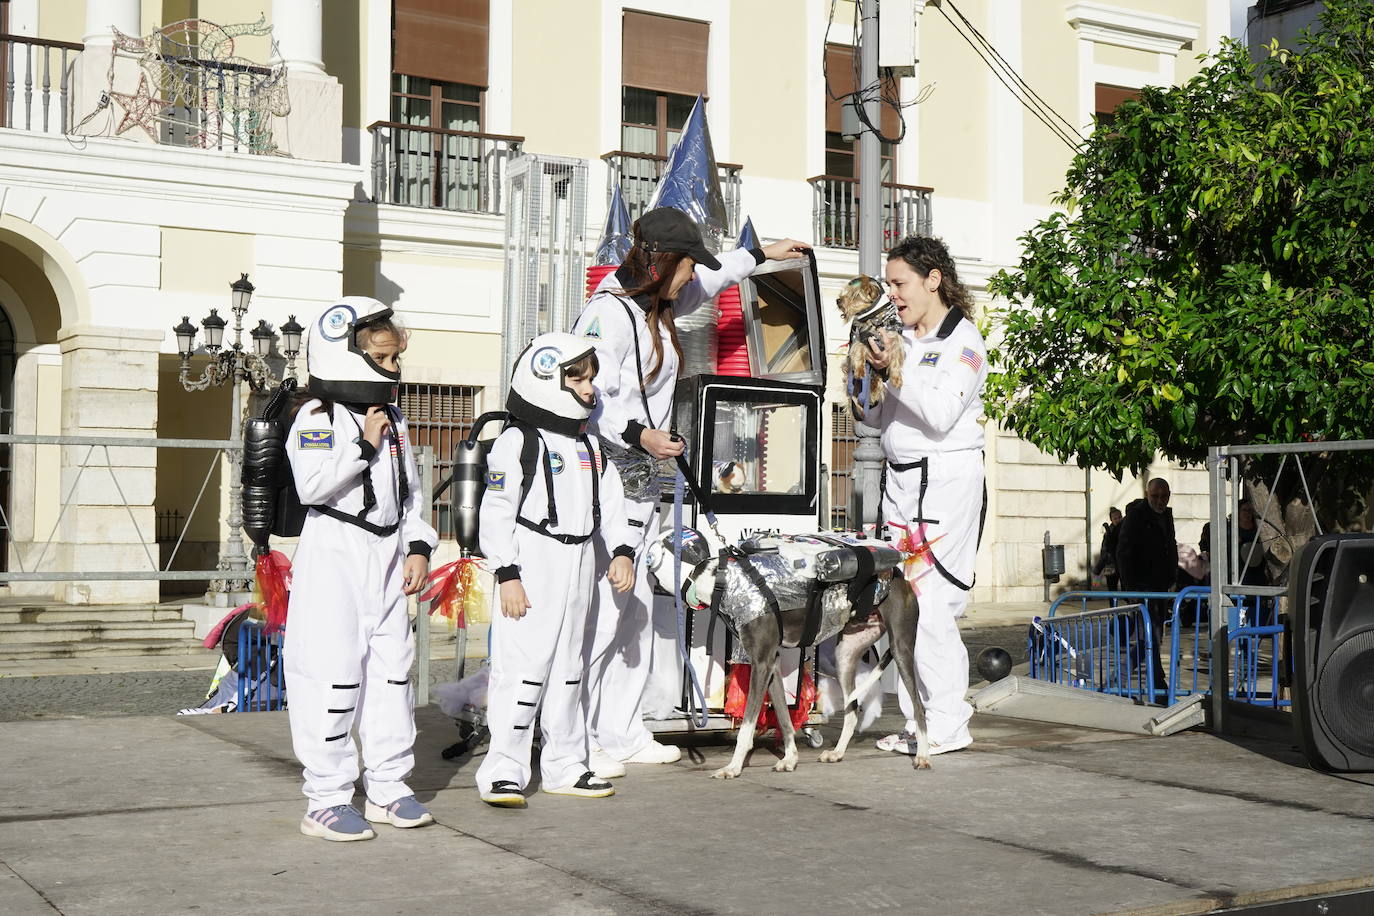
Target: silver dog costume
[791, 568]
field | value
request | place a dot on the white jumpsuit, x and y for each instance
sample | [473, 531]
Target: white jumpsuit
[537, 664]
[633, 660]
[349, 646]
[935, 422]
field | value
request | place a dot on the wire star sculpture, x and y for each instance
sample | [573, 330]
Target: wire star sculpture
[193, 86]
[140, 109]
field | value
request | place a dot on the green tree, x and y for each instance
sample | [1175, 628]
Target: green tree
[1210, 280]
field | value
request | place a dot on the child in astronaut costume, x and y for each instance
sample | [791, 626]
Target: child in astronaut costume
[629, 318]
[539, 535]
[365, 547]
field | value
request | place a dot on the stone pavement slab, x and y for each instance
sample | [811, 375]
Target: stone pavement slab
[157, 815]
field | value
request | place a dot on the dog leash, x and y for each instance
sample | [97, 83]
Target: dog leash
[684, 476]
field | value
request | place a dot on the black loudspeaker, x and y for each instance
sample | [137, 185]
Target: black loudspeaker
[1331, 613]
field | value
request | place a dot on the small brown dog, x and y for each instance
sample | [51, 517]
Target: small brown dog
[871, 316]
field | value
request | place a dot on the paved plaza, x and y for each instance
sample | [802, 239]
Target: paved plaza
[165, 814]
[119, 807]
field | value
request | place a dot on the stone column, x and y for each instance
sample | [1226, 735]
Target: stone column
[314, 128]
[92, 68]
[109, 388]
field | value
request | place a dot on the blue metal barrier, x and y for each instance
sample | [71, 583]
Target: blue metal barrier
[1109, 650]
[260, 669]
[1189, 663]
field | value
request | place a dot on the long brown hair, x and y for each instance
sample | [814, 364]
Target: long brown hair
[651, 273]
[924, 254]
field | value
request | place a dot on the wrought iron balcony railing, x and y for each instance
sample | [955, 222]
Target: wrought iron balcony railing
[30, 68]
[638, 173]
[443, 169]
[835, 211]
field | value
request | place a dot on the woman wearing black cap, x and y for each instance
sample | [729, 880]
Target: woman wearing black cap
[630, 321]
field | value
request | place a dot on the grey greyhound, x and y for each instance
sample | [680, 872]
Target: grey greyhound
[896, 615]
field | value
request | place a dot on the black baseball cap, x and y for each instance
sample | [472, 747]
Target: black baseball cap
[669, 229]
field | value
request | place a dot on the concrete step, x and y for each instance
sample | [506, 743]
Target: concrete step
[122, 647]
[14, 634]
[96, 613]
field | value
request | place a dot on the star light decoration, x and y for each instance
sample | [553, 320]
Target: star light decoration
[915, 547]
[192, 81]
[142, 109]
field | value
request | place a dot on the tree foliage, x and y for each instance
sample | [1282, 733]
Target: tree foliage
[1211, 280]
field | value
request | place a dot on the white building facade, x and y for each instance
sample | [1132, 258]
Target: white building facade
[386, 179]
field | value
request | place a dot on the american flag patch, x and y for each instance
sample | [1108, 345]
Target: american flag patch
[398, 438]
[584, 460]
[971, 359]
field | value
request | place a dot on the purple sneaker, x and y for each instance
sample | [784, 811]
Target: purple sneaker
[340, 824]
[403, 812]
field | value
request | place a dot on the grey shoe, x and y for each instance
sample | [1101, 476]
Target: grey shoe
[339, 824]
[403, 812]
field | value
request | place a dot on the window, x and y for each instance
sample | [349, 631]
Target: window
[843, 440]
[1108, 99]
[662, 71]
[840, 159]
[439, 416]
[416, 99]
[651, 122]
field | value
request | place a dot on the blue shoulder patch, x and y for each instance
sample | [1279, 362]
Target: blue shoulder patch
[594, 329]
[496, 480]
[315, 438]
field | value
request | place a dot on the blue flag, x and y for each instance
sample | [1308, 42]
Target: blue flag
[748, 238]
[691, 181]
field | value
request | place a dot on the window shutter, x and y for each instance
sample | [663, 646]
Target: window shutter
[1109, 98]
[664, 53]
[441, 40]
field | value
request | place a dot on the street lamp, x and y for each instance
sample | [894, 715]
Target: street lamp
[235, 365]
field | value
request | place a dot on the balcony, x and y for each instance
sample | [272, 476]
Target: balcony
[835, 211]
[30, 68]
[638, 174]
[439, 168]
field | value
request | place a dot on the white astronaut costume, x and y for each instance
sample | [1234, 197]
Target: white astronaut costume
[348, 641]
[633, 660]
[932, 437]
[546, 538]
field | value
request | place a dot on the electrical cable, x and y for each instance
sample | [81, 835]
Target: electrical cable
[1072, 141]
[1006, 65]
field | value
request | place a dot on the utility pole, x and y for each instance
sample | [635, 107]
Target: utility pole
[870, 146]
[865, 493]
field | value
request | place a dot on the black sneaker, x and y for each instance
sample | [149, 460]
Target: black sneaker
[504, 794]
[589, 785]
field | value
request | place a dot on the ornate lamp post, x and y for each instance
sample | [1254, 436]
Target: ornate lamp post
[235, 365]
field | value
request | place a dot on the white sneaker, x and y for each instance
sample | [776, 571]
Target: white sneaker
[604, 765]
[949, 747]
[654, 752]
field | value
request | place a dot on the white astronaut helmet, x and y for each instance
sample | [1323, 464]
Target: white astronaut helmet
[696, 553]
[339, 369]
[539, 389]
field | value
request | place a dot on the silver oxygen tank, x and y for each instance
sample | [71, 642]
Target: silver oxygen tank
[469, 482]
[841, 565]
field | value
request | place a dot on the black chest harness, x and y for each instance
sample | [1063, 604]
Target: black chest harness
[397, 443]
[923, 465]
[530, 452]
